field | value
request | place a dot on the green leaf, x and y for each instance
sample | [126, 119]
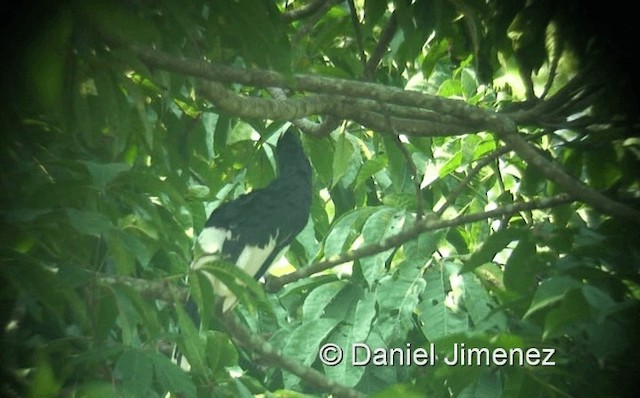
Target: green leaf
[220, 352]
[450, 88]
[602, 166]
[345, 230]
[355, 329]
[135, 371]
[491, 246]
[171, 377]
[47, 58]
[343, 372]
[247, 290]
[572, 307]
[453, 163]
[384, 222]
[321, 156]
[397, 298]
[319, 298]
[481, 306]
[425, 245]
[369, 168]
[192, 346]
[550, 292]
[120, 22]
[342, 157]
[105, 315]
[522, 267]
[88, 222]
[437, 320]
[363, 316]
[304, 342]
[102, 174]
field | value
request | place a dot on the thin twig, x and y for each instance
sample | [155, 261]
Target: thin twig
[358, 33]
[451, 197]
[381, 48]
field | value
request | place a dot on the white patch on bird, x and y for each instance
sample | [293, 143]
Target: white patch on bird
[211, 239]
[250, 260]
[252, 257]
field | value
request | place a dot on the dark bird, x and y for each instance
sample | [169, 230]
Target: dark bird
[254, 230]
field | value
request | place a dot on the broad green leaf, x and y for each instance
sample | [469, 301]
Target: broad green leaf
[342, 157]
[44, 382]
[481, 306]
[425, 245]
[437, 320]
[602, 166]
[453, 163]
[120, 22]
[369, 168]
[88, 222]
[245, 288]
[400, 390]
[491, 246]
[103, 173]
[171, 377]
[363, 316]
[468, 83]
[450, 88]
[303, 344]
[220, 351]
[105, 315]
[343, 372]
[397, 298]
[385, 222]
[319, 298]
[135, 371]
[356, 330]
[600, 303]
[191, 345]
[550, 292]
[145, 310]
[345, 230]
[522, 267]
[47, 57]
[98, 389]
[569, 310]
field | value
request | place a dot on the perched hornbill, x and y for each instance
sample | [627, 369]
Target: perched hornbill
[253, 230]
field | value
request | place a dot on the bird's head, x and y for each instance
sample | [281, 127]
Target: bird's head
[290, 156]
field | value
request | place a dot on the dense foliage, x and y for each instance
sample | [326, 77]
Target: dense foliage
[475, 183]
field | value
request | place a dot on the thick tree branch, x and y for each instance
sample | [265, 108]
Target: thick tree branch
[480, 118]
[471, 118]
[408, 120]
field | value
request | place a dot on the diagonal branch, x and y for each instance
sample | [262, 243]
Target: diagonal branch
[258, 345]
[276, 283]
[569, 184]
